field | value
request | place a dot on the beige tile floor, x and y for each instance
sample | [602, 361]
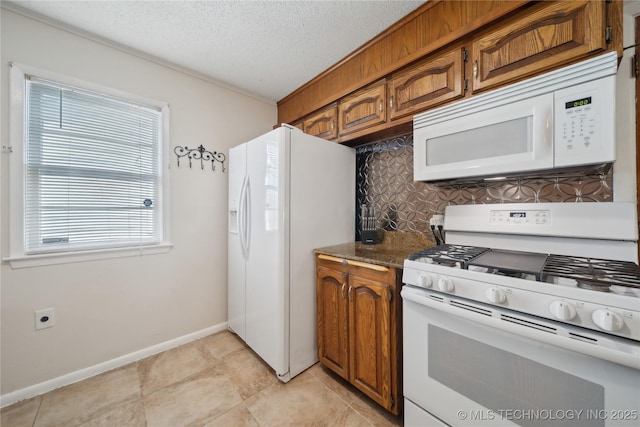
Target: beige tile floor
[215, 381]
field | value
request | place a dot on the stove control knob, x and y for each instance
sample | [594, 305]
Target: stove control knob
[424, 280]
[495, 295]
[607, 320]
[445, 284]
[562, 310]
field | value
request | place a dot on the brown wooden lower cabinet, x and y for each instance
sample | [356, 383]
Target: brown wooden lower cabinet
[359, 326]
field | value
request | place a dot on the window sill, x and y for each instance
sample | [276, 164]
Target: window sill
[25, 261]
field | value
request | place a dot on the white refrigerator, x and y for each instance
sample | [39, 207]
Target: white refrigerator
[289, 193]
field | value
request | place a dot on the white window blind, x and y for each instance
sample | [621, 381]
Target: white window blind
[92, 175]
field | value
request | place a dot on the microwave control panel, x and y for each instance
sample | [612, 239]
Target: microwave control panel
[579, 123]
[584, 123]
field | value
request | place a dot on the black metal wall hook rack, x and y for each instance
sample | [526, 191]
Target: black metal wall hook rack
[201, 154]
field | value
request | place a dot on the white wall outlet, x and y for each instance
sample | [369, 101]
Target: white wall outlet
[436, 220]
[45, 318]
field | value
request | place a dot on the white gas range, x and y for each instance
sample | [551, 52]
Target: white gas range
[528, 307]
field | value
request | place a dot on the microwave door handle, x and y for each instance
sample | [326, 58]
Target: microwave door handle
[549, 131]
[543, 133]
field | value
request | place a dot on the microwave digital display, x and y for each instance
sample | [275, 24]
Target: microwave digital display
[518, 214]
[578, 103]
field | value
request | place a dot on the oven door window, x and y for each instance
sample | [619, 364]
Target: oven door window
[499, 381]
[469, 374]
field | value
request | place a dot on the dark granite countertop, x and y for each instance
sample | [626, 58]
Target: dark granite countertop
[391, 252]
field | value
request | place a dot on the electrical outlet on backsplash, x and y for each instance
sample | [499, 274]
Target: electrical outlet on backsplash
[385, 181]
[436, 220]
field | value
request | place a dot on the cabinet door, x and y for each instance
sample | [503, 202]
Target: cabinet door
[299, 125]
[552, 34]
[323, 124]
[331, 306]
[370, 338]
[363, 109]
[432, 82]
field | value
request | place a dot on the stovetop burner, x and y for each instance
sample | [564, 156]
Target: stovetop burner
[586, 273]
[600, 287]
[448, 255]
[593, 274]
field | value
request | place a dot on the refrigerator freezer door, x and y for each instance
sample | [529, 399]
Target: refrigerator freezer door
[236, 265]
[267, 328]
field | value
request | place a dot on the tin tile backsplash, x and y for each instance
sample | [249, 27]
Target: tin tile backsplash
[385, 181]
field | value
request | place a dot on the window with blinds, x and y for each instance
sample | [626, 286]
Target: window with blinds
[92, 175]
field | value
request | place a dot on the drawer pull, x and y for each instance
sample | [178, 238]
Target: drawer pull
[330, 258]
[367, 265]
[353, 263]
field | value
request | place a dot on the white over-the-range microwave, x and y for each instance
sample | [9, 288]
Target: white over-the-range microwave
[564, 119]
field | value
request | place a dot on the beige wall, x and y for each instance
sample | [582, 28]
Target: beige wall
[110, 311]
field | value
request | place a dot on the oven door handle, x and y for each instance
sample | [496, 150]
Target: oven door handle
[630, 358]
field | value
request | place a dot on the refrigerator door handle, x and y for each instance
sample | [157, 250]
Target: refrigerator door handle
[247, 218]
[242, 217]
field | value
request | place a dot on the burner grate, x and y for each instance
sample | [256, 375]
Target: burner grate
[593, 272]
[449, 255]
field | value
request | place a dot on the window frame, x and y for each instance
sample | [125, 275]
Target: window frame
[17, 143]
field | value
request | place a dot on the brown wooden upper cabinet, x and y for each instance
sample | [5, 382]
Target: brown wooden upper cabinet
[494, 44]
[434, 81]
[323, 124]
[363, 109]
[554, 34]
[299, 124]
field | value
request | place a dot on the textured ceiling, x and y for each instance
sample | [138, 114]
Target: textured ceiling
[265, 48]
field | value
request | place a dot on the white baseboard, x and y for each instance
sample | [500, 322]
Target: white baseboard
[70, 378]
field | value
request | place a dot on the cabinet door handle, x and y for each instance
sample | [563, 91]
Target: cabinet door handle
[332, 125]
[380, 106]
[475, 69]
[344, 285]
[391, 102]
[350, 289]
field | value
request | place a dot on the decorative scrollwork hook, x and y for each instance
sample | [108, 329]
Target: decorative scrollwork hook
[201, 154]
